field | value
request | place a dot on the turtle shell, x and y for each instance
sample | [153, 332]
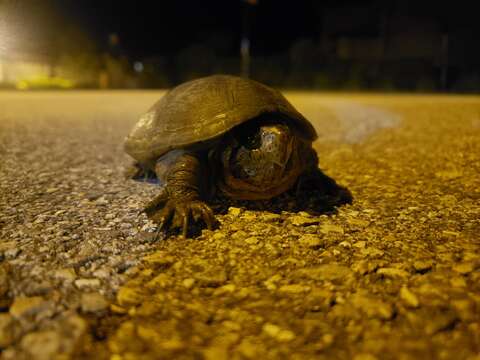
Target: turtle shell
[204, 109]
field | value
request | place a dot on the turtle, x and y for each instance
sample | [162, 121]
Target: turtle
[221, 134]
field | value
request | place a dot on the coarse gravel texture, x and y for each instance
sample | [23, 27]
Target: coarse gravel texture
[394, 275]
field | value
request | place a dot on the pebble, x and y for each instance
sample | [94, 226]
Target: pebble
[365, 356]
[75, 327]
[188, 283]
[299, 220]
[252, 240]
[234, 211]
[42, 287]
[330, 228]
[372, 252]
[93, 195]
[465, 309]
[458, 282]
[4, 286]
[327, 272]
[7, 245]
[439, 322]
[102, 273]
[450, 234]
[87, 283]
[271, 217]
[218, 236]
[6, 333]
[232, 325]
[216, 352]
[250, 216]
[409, 298]
[294, 289]
[363, 267]
[271, 283]
[279, 334]
[42, 345]
[160, 281]
[311, 240]
[393, 273]
[319, 299]
[449, 200]
[345, 244]
[11, 253]
[248, 349]
[360, 244]
[159, 259]
[101, 201]
[214, 277]
[372, 307]
[422, 266]
[118, 309]
[358, 222]
[26, 306]
[66, 274]
[448, 174]
[225, 290]
[465, 268]
[93, 303]
[128, 296]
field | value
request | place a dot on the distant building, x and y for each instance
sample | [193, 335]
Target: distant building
[402, 43]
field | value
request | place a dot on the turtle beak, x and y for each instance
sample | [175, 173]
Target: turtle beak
[277, 144]
[282, 162]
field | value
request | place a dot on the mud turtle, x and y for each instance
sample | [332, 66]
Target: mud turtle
[220, 134]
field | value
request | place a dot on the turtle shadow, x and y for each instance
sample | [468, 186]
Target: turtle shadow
[323, 197]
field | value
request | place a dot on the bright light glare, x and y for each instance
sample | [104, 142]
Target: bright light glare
[138, 66]
[3, 45]
[5, 41]
[4, 38]
[8, 28]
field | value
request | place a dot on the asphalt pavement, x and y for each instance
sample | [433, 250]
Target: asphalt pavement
[393, 275]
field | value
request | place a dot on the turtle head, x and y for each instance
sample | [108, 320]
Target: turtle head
[262, 156]
[262, 161]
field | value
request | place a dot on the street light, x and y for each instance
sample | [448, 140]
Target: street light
[245, 41]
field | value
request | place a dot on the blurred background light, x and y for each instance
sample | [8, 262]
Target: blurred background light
[138, 66]
[398, 45]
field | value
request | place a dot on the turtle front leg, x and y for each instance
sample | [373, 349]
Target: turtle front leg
[180, 200]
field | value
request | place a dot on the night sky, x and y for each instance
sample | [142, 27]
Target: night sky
[152, 28]
[148, 28]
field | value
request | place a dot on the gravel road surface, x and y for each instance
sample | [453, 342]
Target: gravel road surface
[394, 275]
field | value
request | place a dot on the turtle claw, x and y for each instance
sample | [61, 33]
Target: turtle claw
[178, 215]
